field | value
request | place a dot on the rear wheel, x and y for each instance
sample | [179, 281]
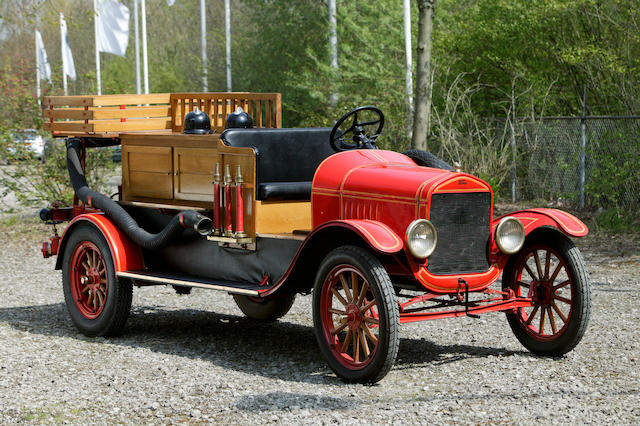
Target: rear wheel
[265, 309]
[552, 273]
[355, 315]
[97, 301]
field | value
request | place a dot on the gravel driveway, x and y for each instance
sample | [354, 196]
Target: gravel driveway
[195, 359]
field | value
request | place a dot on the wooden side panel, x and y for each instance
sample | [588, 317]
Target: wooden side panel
[193, 175]
[276, 217]
[146, 172]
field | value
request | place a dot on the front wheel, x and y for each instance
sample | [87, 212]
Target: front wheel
[97, 301]
[355, 315]
[549, 270]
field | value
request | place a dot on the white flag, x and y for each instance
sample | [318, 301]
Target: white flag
[43, 61]
[113, 27]
[171, 2]
[68, 67]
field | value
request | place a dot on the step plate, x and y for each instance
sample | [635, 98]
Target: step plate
[188, 281]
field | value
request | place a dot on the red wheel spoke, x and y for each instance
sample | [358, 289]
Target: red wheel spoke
[368, 306]
[558, 311]
[562, 284]
[562, 299]
[347, 339]
[86, 266]
[337, 311]
[100, 298]
[354, 286]
[552, 320]
[541, 329]
[555, 273]
[85, 289]
[531, 274]
[338, 296]
[538, 265]
[532, 315]
[523, 284]
[363, 292]
[363, 341]
[547, 263]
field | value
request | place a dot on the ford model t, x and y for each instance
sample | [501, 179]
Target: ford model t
[263, 213]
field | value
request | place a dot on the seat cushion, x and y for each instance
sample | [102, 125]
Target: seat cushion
[284, 191]
[286, 158]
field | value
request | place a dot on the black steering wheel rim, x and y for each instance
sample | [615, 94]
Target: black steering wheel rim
[360, 139]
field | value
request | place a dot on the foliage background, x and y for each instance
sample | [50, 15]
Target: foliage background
[491, 59]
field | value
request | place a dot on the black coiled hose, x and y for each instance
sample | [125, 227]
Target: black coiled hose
[113, 210]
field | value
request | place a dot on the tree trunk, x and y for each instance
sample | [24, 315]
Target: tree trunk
[422, 113]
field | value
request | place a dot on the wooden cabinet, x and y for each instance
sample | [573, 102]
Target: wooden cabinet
[193, 170]
[169, 169]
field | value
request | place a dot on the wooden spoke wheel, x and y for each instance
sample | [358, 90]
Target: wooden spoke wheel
[356, 315]
[552, 273]
[97, 301]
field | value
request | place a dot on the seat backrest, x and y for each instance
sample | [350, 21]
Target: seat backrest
[283, 155]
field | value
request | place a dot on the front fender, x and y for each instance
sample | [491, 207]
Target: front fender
[127, 256]
[378, 235]
[536, 218]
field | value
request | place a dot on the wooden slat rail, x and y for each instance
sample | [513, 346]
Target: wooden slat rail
[67, 115]
[264, 108]
[109, 114]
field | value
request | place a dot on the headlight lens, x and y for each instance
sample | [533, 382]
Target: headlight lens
[421, 238]
[510, 235]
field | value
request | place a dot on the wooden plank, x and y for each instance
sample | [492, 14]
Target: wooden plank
[282, 217]
[107, 112]
[141, 124]
[71, 113]
[106, 100]
[69, 126]
[68, 100]
[278, 111]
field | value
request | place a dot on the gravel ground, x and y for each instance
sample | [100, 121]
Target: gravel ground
[195, 359]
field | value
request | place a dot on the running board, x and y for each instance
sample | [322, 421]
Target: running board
[189, 281]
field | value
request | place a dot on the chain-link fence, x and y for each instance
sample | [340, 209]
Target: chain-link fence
[582, 161]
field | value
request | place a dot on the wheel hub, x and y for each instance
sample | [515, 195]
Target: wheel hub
[354, 317]
[542, 293]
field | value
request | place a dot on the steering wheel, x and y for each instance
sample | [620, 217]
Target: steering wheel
[360, 138]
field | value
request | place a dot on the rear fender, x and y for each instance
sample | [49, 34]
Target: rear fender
[328, 236]
[126, 255]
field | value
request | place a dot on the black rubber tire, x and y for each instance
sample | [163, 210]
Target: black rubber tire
[427, 159]
[389, 317]
[576, 269]
[117, 306]
[268, 309]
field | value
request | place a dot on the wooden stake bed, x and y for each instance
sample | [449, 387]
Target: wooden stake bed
[108, 116]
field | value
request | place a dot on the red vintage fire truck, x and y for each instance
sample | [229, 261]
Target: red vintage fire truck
[264, 213]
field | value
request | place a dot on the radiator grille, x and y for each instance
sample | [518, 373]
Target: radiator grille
[463, 223]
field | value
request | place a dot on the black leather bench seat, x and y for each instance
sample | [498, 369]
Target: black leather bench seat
[286, 159]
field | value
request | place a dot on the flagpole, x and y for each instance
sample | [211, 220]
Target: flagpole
[64, 74]
[227, 25]
[95, 31]
[137, 40]
[38, 93]
[408, 66]
[143, 12]
[203, 36]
